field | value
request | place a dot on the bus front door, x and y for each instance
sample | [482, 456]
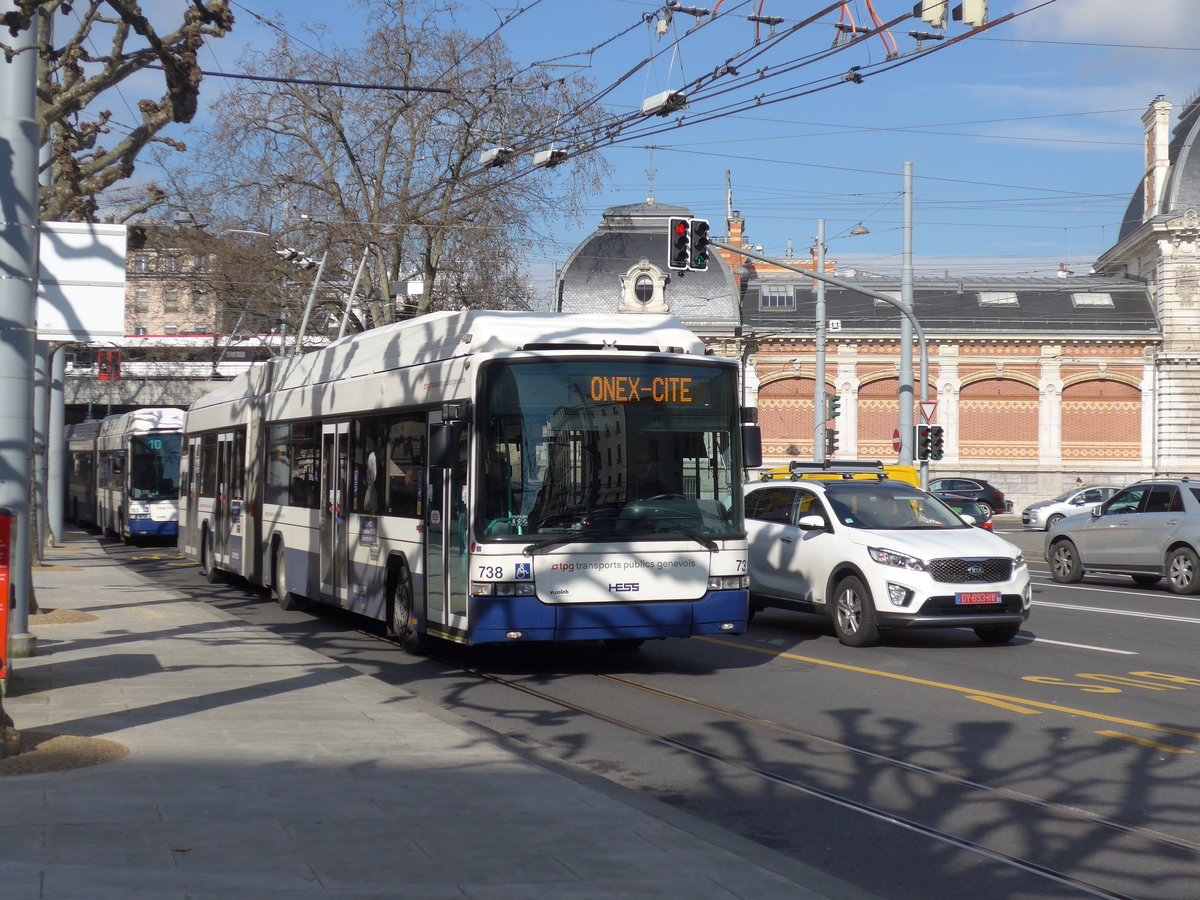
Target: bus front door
[188, 495]
[335, 496]
[446, 542]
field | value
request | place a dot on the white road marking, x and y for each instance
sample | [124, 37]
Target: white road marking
[1085, 647]
[1119, 612]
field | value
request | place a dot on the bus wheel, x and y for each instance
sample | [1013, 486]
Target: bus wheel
[208, 567]
[400, 613]
[285, 598]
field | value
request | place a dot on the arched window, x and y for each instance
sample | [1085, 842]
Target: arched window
[643, 288]
[785, 415]
[998, 419]
[1101, 420]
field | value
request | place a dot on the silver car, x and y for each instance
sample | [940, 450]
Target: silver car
[1149, 531]
[1045, 514]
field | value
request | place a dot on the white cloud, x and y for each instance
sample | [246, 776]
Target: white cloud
[1170, 23]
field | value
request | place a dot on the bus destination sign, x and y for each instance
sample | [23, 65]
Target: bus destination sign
[636, 389]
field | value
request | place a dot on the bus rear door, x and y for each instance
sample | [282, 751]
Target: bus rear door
[335, 494]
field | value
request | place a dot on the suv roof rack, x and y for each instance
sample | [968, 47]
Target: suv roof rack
[847, 469]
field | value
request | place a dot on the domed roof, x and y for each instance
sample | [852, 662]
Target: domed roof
[1182, 190]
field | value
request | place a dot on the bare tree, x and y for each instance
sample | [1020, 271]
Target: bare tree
[393, 172]
[91, 150]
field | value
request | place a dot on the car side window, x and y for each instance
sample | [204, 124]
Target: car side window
[1091, 495]
[770, 505]
[808, 505]
[1126, 501]
[1163, 498]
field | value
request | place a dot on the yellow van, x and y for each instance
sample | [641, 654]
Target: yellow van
[848, 468]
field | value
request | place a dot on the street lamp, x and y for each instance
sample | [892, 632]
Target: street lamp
[819, 410]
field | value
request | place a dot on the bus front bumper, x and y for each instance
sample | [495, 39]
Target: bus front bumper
[508, 619]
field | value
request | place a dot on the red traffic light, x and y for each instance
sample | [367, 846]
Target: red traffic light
[680, 226]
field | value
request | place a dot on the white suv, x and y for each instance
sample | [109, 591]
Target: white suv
[875, 554]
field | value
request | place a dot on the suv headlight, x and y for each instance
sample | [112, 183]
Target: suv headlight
[1019, 560]
[892, 558]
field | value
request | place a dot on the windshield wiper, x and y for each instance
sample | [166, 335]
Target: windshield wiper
[706, 542]
[580, 538]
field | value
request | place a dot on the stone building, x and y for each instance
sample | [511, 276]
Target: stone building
[1038, 381]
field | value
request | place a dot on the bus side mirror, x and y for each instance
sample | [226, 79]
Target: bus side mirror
[443, 444]
[751, 446]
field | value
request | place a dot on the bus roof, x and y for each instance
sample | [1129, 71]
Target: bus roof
[446, 335]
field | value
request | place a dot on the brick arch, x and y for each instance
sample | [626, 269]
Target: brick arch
[1101, 420]
[879, 414]
[998, 419]
[785, 414]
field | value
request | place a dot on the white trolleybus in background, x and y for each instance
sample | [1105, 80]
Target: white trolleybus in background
[123, 472]
[484, 477]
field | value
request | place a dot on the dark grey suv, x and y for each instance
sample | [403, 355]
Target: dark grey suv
[1149, 531]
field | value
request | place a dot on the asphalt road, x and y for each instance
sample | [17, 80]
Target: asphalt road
[932, 766]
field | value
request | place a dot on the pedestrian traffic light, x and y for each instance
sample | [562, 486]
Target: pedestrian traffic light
[937, 441]
[833, 404]
[679, 245]
[698, 257]
[831, 441]
[932, 11]
[923, 441]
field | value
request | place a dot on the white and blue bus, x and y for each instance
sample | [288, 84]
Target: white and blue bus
[123, 472]
[484, 477]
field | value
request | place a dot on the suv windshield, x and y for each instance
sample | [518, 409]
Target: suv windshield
[889, 506]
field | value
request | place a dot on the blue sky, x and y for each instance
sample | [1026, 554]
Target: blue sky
[1025, 141]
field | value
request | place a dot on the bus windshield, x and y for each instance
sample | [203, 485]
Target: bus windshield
[607, 448]
[154, 466]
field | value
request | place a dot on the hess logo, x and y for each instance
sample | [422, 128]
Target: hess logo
[624, 587]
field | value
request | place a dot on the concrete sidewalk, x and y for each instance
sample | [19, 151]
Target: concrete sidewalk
[260, 769]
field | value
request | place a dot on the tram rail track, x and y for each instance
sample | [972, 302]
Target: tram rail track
[876, 813]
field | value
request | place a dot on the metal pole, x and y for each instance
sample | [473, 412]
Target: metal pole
[906, 335]
[19, 142]
[308, 307]
[819, 410]
[41, 410]
[909, 315]
[56, 448]
[353, 289]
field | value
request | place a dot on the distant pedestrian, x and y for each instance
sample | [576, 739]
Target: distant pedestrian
[1078, 481]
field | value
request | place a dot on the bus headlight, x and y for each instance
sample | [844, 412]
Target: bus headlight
[728, 582]
[503, 589]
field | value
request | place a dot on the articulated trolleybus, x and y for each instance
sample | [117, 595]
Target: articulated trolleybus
[123, 472]
[484, 477]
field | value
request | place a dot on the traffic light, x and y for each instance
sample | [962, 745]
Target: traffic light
[937, 441]
[698, 257]
[831, 441]
[932, 12]
[679, 245]
[833, 404]
[923, 441]
[971, 12]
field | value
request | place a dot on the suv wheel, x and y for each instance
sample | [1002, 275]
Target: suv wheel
[854, 613]
[1065, 567]
[1183, 571]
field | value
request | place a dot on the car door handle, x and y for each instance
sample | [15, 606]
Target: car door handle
[785, 540]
